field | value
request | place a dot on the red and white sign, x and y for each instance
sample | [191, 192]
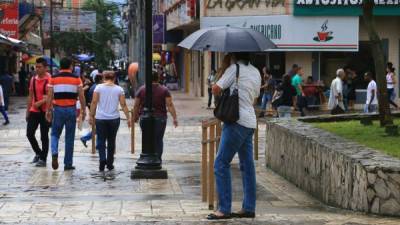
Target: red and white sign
[9, 21]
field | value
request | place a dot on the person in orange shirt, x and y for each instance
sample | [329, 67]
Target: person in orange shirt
[36, 112]
[64, 89]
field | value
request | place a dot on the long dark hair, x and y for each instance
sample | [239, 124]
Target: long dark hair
[242, 56]
[286, 81]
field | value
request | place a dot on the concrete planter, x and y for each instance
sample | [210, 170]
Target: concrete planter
[338, 172]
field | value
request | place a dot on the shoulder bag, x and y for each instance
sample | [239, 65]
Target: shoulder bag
[227, 109]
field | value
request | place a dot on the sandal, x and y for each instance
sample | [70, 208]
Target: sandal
[244, 214]
[213, 216]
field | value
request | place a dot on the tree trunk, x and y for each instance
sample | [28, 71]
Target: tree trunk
[379, 61]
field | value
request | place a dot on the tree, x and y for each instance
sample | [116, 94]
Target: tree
[379, 61]
[97, 43]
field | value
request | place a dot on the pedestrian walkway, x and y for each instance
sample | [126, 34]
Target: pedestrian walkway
[30, 195]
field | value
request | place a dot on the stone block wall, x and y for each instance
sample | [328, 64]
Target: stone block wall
[338, 172]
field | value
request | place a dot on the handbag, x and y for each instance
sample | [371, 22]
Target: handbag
[227, 109]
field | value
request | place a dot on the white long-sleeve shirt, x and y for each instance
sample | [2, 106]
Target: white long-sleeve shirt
[336, 90]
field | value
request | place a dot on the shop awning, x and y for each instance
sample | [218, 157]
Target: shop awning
[20, 45]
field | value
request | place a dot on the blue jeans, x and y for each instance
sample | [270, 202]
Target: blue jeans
[106, 131]
[4, 113]
[160, 124]
[235, 139]
[267, 97]
[64, 116]
[87, 136]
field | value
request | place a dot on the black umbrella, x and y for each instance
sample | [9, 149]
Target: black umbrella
[227, 39]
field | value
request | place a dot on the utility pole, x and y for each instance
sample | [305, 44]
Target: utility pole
[51, 37]
[148, 165]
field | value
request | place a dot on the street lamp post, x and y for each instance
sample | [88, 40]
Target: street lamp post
[51, 37]
[148, 166]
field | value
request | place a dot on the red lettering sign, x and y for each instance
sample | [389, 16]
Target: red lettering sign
[9, 22]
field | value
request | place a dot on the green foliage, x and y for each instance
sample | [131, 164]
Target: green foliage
[371, 136]
[95, 43]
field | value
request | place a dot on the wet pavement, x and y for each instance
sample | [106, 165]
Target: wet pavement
[30, 195]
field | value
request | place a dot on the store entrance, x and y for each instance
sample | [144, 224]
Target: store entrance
[277, 62]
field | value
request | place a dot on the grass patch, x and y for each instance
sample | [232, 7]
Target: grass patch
[371, 136]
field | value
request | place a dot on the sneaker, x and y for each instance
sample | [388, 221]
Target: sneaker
[66, 168]
[6, 123]
[54, 162]
[35, 159]
[84, 142]
[110, 167]
[41, 163]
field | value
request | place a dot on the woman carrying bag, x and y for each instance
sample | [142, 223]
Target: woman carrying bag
[240, 85]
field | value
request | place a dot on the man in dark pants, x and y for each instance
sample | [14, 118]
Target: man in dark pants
[162, 103]
[35, 113]
[210, 82]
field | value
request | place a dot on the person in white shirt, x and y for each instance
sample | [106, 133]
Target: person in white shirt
[237, 138]
[336, 93]
[391, 82]
[2, 108]
[371, 104]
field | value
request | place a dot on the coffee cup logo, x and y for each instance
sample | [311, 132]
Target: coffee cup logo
[324, 35]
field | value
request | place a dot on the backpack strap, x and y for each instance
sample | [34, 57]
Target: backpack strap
[33, 81]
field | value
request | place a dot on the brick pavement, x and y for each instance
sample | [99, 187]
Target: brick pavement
[30, 195]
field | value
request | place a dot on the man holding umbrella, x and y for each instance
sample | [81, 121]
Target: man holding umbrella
[243, 80]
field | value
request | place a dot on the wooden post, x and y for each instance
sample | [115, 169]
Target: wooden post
[204, 157]
[94, 137]
[132, 134]
[211, 168]
[256, 143]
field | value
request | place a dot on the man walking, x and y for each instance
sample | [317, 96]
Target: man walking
[7, 82]
[335, 103]
[372, 99]
[64, 89]
[36, 112]
[297, 83]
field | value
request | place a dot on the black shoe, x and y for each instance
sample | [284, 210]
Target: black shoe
[66, 168]
[110, 167]
[35, 159]
[41, 163]
[54, 162]
[6, 123]
[244, 215]
[215, 217]
[84, 143]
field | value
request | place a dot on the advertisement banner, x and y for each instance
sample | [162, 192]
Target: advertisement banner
[158, 29]
[9, 20]
[292, 33]
[344, 8]
[70, 20]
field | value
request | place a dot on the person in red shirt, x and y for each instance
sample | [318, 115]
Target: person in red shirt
[36, 112]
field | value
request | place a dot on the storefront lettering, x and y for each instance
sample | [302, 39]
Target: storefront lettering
[344, 2]
[271, 31]
[241, 4]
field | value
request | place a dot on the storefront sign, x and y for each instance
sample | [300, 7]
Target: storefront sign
[9, 21]
[158, 29]
[242, 4]
[70, 20]
[344, 7]
[291, 33]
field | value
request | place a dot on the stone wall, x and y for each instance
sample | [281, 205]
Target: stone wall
[338, 172]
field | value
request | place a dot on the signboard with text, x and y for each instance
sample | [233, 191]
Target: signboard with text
[9, 20]
[70, 20]
[343, 7]
[291, 33]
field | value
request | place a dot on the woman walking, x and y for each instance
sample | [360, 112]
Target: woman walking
[391, 81]
[237, 138]
[104, 109]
